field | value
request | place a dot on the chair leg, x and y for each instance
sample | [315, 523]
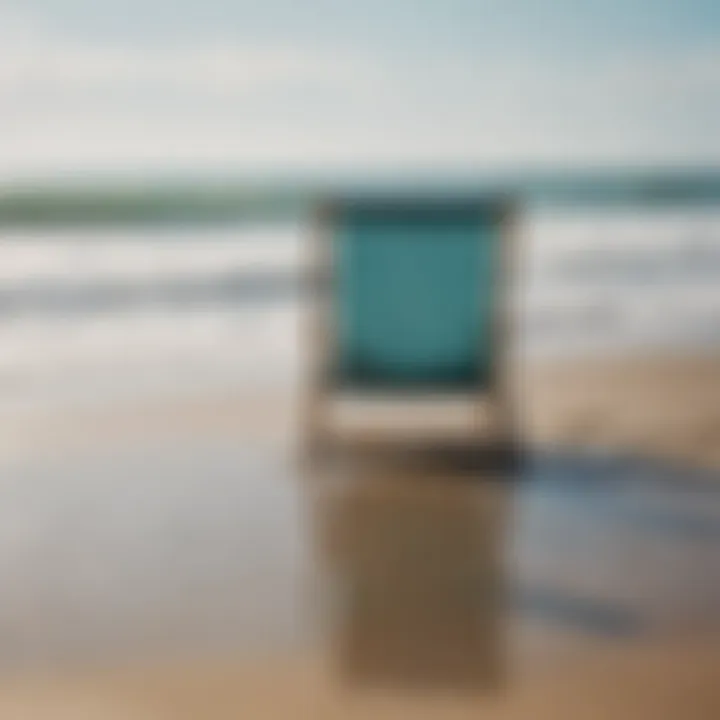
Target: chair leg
[505, 448]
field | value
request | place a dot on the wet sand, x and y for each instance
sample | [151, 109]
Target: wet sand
[172, 561]
[663, 407]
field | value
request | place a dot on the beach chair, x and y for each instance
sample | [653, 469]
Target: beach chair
[410, 300]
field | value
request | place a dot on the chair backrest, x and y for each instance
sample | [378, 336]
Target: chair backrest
[414, 294]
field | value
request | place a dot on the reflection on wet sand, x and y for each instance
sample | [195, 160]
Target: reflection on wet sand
[206, 578]
[415, 563]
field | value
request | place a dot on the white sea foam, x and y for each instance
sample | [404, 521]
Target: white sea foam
[616, 280]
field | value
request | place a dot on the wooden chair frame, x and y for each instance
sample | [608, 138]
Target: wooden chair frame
[322, 339]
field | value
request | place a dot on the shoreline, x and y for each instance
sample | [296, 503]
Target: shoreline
[660, 406]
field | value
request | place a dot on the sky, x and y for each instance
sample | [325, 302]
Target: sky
[151, 87]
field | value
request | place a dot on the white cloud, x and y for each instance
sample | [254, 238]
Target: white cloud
[79, 105]
[40, 61]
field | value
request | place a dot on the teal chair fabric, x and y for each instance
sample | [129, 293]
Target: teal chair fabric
[414, 288]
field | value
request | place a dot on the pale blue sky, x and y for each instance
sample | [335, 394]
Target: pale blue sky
[94, 86]
[555, 25]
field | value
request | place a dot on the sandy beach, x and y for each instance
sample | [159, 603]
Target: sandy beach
[163, 555]
[653, 406]
[667, 407]
[169, 560]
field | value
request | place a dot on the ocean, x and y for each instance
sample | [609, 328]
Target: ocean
[96, 312]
